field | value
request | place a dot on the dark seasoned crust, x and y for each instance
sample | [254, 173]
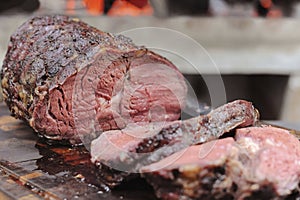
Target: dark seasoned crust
[65, 78]
[208, 180]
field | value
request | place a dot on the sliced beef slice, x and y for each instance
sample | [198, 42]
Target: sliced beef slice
[69, 80]
[136, 146]
[263, 163]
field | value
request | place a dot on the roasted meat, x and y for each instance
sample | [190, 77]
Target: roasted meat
[69, 80]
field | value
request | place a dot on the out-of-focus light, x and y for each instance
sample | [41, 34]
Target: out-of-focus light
[266, 3]
[275, 13]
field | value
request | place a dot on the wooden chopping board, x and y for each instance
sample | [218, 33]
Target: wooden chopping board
[30, 169]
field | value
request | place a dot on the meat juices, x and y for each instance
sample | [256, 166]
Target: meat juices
[69, 80]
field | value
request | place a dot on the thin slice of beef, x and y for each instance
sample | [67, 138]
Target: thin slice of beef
[136, 146]
[69, 80]
[261, 163]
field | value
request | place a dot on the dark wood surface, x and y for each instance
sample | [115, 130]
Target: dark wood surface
[32, 169]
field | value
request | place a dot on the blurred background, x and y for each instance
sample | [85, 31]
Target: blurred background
[254, 43]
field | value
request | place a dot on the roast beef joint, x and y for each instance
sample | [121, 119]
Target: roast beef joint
[68, 80]
[72, 82]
